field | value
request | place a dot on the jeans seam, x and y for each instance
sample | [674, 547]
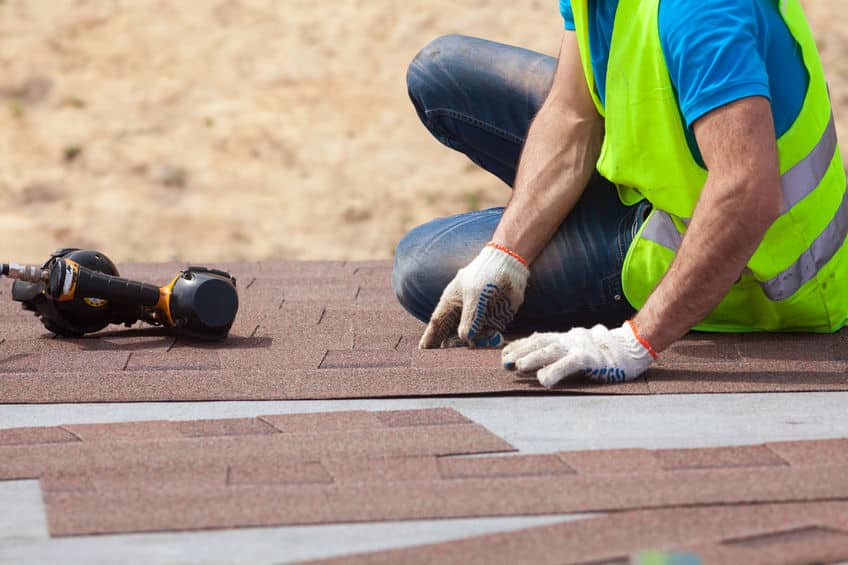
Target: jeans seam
[471, 120]
[622, 252]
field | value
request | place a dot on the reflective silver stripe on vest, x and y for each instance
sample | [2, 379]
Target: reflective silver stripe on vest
[813, 259]
[661, 229]
[796, 183]
[803, 178]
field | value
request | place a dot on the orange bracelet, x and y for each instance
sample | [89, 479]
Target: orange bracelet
[509, 252]
[642, 340]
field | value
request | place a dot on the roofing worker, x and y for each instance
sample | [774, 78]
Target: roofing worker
[677, 168]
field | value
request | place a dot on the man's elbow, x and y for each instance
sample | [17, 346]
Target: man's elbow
[764, 204]
[772, 201]
[753, 203]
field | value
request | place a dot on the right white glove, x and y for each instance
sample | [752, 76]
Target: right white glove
[601, 354]
[480, 301]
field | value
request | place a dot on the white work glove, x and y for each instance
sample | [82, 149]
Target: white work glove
[479, 302]
[603, 355]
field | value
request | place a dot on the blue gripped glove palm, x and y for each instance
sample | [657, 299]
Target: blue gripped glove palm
[602, 355]
[479, 302]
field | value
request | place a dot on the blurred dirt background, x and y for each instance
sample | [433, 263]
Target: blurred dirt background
[246, 129]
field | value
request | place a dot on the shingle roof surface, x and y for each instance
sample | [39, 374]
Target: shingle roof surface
[321, 330]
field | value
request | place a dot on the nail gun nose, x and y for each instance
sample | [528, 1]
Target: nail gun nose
[26, 273]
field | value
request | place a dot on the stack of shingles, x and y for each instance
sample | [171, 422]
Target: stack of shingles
[399, 465]
[335, 330]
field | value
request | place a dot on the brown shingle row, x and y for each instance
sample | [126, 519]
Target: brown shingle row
[32, 452]
[770, 534]
[127, 505]
[264, 377]
[290, 374]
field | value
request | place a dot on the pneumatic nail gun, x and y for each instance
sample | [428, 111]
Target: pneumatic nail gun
[77, 292]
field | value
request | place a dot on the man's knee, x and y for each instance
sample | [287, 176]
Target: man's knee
[426, 71]
[409, 278]
[422, 269]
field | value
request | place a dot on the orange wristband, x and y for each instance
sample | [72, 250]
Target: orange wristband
[509, 252]
[642, 340]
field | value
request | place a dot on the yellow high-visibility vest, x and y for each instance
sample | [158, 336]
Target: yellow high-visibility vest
[798, 276]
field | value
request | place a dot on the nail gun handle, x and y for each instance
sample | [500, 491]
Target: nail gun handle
[123, 291]
[69, 279]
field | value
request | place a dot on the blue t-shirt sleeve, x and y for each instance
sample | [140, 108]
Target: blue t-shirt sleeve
[715, 51]
[567, 14]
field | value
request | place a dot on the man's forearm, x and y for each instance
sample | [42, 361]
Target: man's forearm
[559, 157]
[558, 160]
[729, 224]
[740, 201]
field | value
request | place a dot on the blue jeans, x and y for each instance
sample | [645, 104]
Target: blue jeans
[479, 97]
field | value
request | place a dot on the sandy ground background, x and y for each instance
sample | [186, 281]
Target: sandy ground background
[246, 129]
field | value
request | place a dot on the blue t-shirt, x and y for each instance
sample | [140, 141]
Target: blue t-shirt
[717, 51]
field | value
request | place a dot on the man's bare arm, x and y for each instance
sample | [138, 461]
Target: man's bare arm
[559, 157]
[740, 201]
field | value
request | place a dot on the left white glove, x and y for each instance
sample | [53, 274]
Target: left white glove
[603, 355]
[479, 303]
